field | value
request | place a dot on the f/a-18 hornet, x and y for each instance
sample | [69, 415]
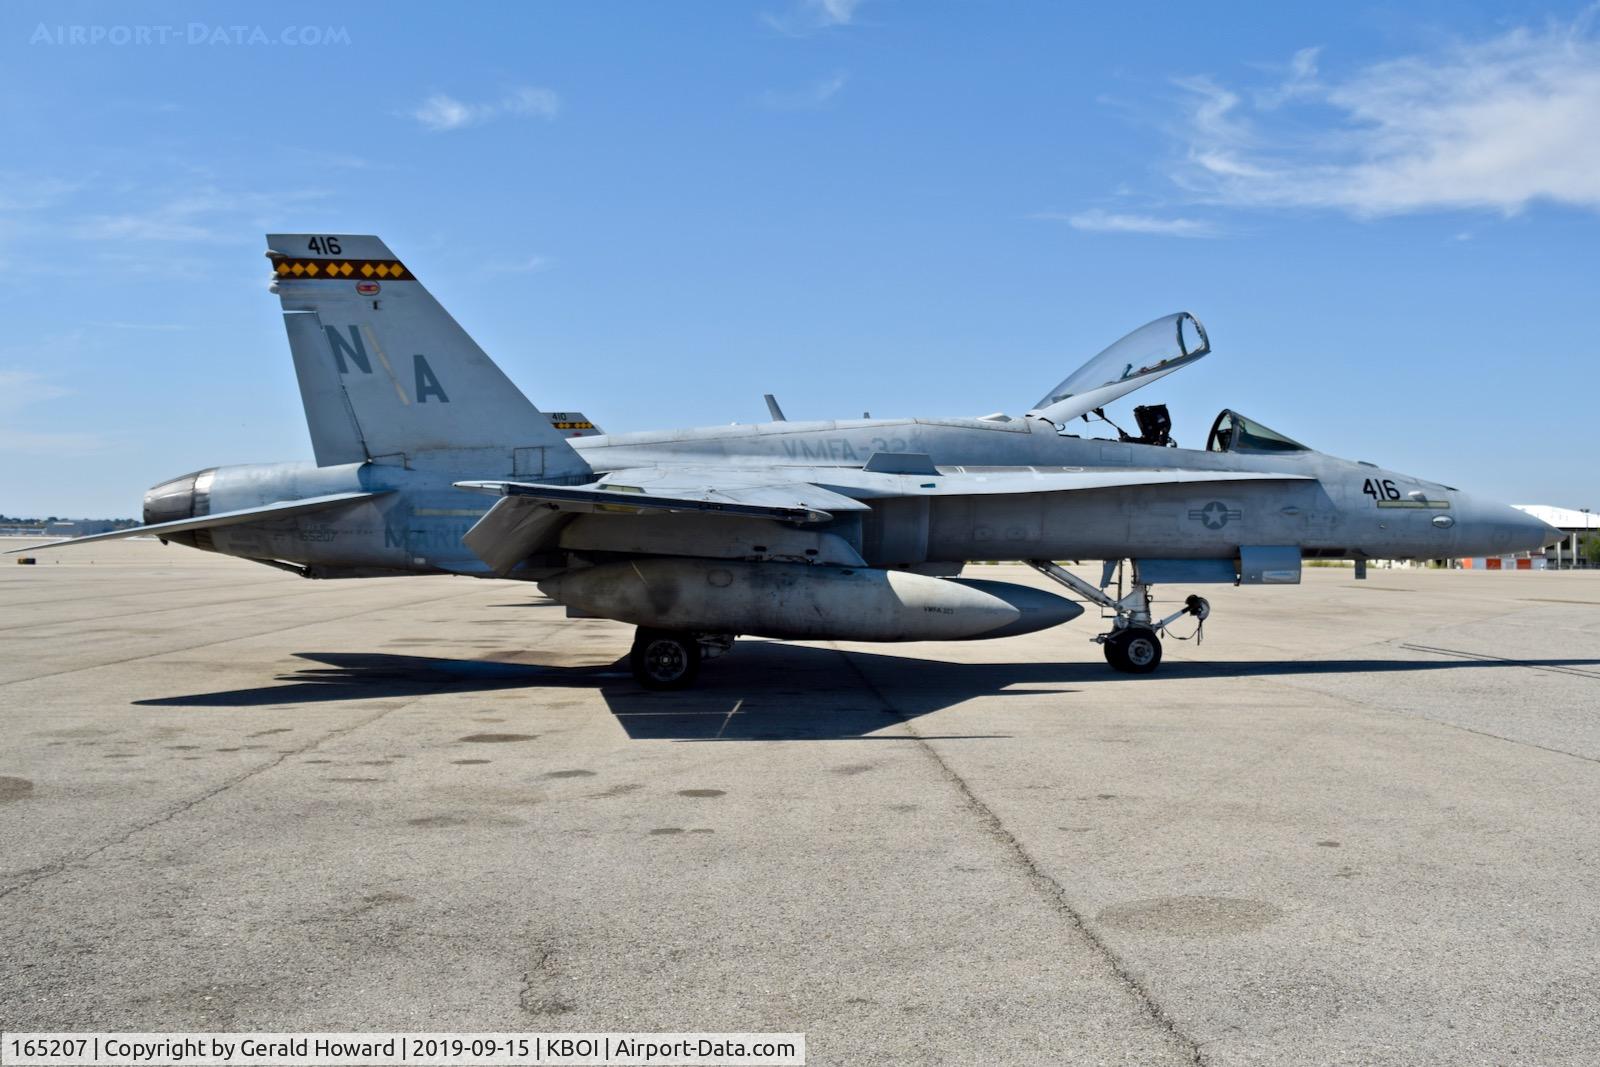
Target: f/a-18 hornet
[430, 461]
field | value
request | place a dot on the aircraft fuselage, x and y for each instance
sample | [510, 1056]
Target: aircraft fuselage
[1337, 508]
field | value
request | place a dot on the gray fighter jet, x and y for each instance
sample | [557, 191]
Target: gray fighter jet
[429, 460]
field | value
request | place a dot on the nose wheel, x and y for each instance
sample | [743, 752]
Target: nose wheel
[1135, 650]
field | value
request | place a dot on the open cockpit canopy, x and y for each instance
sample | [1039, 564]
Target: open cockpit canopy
[1233, 432]
[1154, 350]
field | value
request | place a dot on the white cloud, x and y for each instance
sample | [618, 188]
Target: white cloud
[442, 112]
[540, 103]
[838, 12]
[809, 16]
[21, 389]
[528, 265]
[157, 226]
[1098, 221]
[203, 214]
[52, 443]
[1493, 125]
[1299, 81]
[25, 192]
[812, 96]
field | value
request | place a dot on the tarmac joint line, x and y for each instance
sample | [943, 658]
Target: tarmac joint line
[1052, 890]
[229, 640]
[1484, 658]
[51, 870]
[1367, 707]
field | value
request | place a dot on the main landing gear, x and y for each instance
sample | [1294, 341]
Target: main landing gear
[1133, 645]
[670, 659]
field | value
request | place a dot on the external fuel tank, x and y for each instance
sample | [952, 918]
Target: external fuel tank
[805, 601]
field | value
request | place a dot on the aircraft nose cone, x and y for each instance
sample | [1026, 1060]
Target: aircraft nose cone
[1535, 533]
[1489, 528]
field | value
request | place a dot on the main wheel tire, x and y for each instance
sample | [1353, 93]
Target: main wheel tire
[1136, 650]
[664, 659]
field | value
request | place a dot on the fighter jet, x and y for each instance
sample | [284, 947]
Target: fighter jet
[428, 460]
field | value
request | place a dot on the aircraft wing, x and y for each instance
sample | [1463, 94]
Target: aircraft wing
[280, 510]
[836, 489]
[816, 494]
[744, 494]
[529, 515]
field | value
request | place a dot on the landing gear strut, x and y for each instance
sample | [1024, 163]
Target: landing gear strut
[1133, 645]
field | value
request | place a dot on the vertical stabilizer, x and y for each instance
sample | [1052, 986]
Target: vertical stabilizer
[386, 374]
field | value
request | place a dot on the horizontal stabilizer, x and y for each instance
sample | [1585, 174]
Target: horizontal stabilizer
[279, 510]
[573, 424]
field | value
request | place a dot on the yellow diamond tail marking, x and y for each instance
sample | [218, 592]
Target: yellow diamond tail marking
[345, 269]
[282, 267]
[298, 269]
[366, 270]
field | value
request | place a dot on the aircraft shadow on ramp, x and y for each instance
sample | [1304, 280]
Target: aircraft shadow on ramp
[763, 691]
[770, 691]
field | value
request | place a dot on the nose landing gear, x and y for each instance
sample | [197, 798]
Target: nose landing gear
[1133, 645]
[1133, 650]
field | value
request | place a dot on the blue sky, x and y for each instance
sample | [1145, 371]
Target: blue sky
[654, 213]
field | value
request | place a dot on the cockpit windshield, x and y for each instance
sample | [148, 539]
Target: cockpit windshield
[1233, 432]
[1152, 351]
